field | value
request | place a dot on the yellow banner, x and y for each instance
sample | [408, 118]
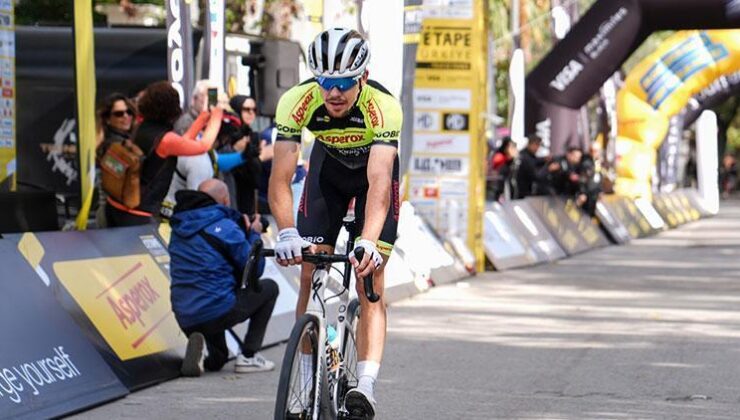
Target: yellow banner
[447, 168]
[85, 93]
[314, 12]
[128, 301]
[7, 102]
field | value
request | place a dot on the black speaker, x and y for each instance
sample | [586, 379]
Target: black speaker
[28, 211]
[277, 61]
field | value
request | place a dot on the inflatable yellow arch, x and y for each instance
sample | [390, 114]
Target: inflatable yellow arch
[659, 88]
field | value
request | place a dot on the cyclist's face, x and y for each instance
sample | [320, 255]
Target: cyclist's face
[339, 103]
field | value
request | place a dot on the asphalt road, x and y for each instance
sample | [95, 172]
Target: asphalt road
[650, 331]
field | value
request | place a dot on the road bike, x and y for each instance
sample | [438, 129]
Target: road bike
[318, 370]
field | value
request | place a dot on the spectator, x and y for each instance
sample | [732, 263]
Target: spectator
[115, 119]
[503, 165]
[191, 171]
[160, 107]
[570, 175]
[209, 248]
[530, 166]
[728, 175]
[198, 103]
[247, 177]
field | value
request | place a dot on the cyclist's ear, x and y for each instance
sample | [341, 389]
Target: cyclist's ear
[365, 76]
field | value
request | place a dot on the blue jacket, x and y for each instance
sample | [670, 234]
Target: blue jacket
[203, 278]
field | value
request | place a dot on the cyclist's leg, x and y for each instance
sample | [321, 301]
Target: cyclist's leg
[372, 329]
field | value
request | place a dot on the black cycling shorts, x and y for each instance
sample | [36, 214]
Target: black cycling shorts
[327, 192]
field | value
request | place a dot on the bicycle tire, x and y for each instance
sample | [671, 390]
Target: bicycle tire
[306, 326]
[347, 378]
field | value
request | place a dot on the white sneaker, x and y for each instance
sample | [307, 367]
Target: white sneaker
[192, 364]
[257, 363]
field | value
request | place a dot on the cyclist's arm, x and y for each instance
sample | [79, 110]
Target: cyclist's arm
[379, 176]
[280, 195]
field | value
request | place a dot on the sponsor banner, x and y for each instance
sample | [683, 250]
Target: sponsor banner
[7, 101]
[625, 211]
[427, 121]
[454, 121]
[540, 241]
[180, 49]
[47, 366]
[613, 226]
[448, 9]
[115, 285]
[455, 166]
[503, 244]
[215, 28]
[437, 144]
[571, 227]
[696, 202]
[442, 99]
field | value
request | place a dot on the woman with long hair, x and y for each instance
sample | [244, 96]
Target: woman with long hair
[159, 106]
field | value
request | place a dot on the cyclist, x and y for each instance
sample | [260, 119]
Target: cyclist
[357, 124]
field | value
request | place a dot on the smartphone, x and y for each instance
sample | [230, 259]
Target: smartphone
[212, 97]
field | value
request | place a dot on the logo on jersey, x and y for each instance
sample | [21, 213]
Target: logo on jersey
[299, 113]
[376, 117]
[342, 139]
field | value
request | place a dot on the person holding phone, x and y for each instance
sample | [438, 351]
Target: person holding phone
[160, 107]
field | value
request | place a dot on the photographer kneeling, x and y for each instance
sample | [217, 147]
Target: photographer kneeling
[209, 247]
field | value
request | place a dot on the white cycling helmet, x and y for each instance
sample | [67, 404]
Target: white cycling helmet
[337, 53]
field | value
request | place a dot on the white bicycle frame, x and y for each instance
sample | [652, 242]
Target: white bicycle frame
[317, 305]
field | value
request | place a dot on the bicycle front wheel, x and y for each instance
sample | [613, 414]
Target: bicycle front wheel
[299, 393]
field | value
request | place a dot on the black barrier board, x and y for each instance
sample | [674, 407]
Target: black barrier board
[114, 283]
[665, 207]
[613, 226]
[503, 244]
[526, 221]
[682, 203]
[630, 217]
[572, 228]
[47, 366]
[697, 202]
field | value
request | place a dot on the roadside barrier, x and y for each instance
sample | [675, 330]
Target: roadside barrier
[95, 309]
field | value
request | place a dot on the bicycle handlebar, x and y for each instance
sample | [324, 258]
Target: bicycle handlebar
[335, 258]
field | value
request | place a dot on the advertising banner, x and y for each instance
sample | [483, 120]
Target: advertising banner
[7, 101]
[504, 246]
[615, 229]
[447, 161]
[215, 29]
[47, 366]
[115, 285]
[525, 220]
[571, 227]
[180, 49]
[85, 94]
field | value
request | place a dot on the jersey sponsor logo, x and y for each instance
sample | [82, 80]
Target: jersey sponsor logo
[340, 139]
[375, 114]
[357, 120]
[299, 113]
[284, 129]
[353, 152]
[325, 119]
[389, 134]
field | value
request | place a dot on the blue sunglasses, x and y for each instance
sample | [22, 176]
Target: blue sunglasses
[343, 84]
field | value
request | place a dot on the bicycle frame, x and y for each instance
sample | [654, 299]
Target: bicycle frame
[317, 306]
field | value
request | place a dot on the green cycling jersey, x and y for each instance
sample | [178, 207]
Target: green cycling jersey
[376, 118]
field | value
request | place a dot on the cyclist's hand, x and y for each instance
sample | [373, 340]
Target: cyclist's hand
[370, 261]
[290, 246]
